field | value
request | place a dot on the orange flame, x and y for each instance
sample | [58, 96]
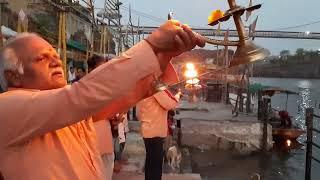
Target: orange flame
[191, 74]
[215, 15]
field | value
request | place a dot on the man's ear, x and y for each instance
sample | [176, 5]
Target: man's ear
[13, 78]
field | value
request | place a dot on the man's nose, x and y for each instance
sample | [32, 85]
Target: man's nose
[55, 62]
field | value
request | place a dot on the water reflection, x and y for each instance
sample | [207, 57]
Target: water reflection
[291, 165]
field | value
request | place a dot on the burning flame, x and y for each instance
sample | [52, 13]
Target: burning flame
[191, 71]
[193, 81]
[288, 142]
[215, 15]
[191, 74]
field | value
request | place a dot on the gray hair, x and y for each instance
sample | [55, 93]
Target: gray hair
[9, 59]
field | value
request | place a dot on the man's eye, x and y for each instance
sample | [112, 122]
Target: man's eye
[40, 59]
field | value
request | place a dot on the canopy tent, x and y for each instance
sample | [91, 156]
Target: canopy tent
[255, 87]
[7, 32]
[76, 45]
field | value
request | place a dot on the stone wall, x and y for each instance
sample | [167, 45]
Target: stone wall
[244, 137]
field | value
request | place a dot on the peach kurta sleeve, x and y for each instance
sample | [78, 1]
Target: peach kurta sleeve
[166, 100]
[143, 89]
[27, 114]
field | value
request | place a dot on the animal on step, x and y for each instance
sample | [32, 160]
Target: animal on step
[174, 157]
[255, 176]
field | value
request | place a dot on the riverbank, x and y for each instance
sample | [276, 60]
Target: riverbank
[292, 67]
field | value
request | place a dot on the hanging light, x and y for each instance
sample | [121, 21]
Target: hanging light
[288, 142]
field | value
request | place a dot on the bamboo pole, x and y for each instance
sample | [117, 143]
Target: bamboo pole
[1, 36]
[19, 28]
[104, 40]
[64, 44]
[59, 35]
[101, 39]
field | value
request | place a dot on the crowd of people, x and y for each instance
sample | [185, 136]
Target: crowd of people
[52, 130]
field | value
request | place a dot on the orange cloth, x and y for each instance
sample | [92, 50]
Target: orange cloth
[50, 134]
[153, 112]
[104, 136]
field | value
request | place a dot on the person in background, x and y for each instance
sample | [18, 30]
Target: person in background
[123, 129]
[153, 114]
[48, 133]
[103, 128]
[120, 129]
[285, 120]
[95, 61]
[114, 122]
[171, 127]
[81, 72]
[71, 75]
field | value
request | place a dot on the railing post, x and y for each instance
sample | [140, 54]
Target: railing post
[240, 100]
[248, 102]
[227, 94]
[260, 104]
[309, 124]
[265, 124]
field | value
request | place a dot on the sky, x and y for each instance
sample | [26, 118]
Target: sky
[273, 15]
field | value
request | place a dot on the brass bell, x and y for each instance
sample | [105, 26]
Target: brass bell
[248, 52]
[159, 85]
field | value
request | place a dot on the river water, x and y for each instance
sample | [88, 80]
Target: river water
[291, 165]
[275, 165]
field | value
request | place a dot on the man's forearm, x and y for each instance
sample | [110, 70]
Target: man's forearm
[36, 113]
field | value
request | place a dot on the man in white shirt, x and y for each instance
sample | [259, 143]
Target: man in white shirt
[71, 74]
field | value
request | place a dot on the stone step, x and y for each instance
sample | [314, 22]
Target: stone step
[140, 176]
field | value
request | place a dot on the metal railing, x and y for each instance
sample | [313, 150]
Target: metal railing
[210, 32]
[310, 116]
[243, 101]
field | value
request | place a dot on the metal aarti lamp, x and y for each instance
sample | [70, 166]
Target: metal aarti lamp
[247, 51]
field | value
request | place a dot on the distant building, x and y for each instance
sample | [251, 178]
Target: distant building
[43, 19]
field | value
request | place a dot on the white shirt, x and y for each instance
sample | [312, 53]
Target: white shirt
[71, 76]
[123, 128]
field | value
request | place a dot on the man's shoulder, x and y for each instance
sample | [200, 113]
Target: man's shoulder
[16, 91]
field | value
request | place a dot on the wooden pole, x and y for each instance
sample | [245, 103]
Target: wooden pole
[227, 95]
[104, 40]
[248, 102]
[260, 110]
[19, 29]
[59, 33]
[64, 44]
[101, 38]
[241, 99]
[1, 36]
[309, 124]
[265, 124]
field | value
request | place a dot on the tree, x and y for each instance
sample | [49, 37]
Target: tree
[300, 52]
[284, 54]
[311, 53]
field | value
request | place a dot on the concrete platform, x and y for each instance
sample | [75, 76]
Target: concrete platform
[135, 152]
[211, 112]
[212, 126]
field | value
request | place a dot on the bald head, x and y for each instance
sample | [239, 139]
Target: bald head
[28, 61]
[21, 45]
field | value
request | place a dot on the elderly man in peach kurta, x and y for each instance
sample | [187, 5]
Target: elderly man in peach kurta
[46, 125]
